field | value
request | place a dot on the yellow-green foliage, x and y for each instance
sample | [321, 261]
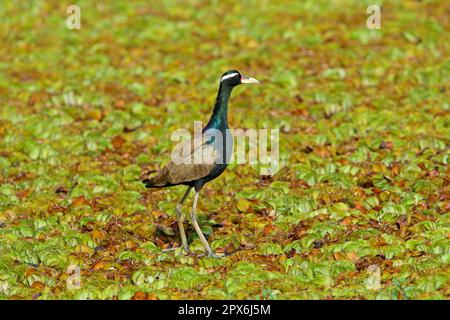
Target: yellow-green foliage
[364, 146]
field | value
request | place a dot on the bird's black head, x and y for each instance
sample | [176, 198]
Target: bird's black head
[233, 78]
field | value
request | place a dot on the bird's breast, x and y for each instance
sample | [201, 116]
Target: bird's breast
[221, 142]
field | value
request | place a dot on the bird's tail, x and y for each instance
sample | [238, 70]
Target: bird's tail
[148, 183]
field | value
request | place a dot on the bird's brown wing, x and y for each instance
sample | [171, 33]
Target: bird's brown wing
[191, 160]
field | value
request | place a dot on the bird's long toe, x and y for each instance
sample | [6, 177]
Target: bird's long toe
[170, 249]
[184, 249]
[214, 255]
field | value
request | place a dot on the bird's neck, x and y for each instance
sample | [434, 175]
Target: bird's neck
[219, 119]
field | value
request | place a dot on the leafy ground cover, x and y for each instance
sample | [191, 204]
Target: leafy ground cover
[362, 193]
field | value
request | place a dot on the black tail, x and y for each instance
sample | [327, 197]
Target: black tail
[148, 183]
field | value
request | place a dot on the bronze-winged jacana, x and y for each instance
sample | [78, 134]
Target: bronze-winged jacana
[218, 141]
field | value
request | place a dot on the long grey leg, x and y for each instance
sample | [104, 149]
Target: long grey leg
[197, 227]
[180, 219]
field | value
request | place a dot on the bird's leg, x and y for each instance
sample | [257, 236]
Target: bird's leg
[180, 219]
[197, 227]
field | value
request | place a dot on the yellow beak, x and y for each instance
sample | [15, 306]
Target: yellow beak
[245, 79]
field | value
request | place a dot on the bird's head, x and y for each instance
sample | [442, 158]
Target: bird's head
[234, 78]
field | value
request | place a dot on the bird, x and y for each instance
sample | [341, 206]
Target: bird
[214, 147]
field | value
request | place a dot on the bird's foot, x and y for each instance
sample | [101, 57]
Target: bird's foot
[187, 251]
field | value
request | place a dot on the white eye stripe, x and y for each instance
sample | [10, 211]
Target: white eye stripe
[231, 75]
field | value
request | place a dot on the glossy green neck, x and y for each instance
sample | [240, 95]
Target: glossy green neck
[219, 118]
